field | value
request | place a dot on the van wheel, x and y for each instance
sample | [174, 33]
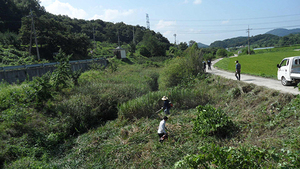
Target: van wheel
[284, 82]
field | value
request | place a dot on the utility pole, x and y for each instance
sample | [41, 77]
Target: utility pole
[175, 38]
[133, 35]
[147, 21]
[36, 42]
[94, 38]
[248, 31]
[118, 39]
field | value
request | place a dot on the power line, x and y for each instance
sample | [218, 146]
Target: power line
[228, 31]
[233, 25]
[236, 19]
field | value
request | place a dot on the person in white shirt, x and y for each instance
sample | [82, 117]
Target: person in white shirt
[162, 129]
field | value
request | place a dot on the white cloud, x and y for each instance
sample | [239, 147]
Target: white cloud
[186, 1]
[165, 24]
[197, 1]
[113, 14]
[191, 30]
[46, 2]
[225, 22]
[61, 8]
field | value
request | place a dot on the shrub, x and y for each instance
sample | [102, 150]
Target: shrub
[211, 121]
[42, 89]
[144, 51]
[181, 69]
[228, 157]
[61, 75]
[245, 51]
[222, 53]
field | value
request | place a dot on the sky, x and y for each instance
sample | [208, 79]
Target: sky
[204, 21]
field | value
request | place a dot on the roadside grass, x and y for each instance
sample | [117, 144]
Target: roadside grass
[261, 64]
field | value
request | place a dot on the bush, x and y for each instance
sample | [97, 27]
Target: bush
[211, 121]
[222, 53]
[181, 69]
[9, 38]
[229, 157]
[245, 51]
[144, 51]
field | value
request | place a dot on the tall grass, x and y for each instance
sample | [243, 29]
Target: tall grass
[147, 105]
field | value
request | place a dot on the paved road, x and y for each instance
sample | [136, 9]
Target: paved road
[260, 81]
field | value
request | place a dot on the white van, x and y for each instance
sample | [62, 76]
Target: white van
[289, 70]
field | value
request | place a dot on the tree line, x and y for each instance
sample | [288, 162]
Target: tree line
[262, 40]
[73, 36]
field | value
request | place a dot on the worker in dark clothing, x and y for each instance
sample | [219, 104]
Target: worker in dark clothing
[204, 66]
[238, 70]
[209, 64]
[167, 106]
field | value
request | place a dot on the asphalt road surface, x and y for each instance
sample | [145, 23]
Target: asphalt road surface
[260, 81]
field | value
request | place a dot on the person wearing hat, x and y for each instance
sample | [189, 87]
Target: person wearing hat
[162, 129]
[167, 105]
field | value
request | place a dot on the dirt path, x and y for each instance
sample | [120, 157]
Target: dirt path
[270, 83]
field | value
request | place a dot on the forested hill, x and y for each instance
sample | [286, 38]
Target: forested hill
[73, 36]
[263, 40]
[283, 32]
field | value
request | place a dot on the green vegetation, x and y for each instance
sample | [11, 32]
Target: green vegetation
[212, 122]
[107, 117]
[262, 63]
[109, 120]
[76, 37]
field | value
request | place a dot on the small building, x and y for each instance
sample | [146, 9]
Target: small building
[120, 52]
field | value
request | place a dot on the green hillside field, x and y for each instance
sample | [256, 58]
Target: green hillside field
[263, 63]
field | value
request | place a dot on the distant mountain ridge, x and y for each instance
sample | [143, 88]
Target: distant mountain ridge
[201, 45]
[275, 37]
[283, 32]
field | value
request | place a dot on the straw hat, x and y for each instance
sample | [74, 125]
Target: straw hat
[164, 98]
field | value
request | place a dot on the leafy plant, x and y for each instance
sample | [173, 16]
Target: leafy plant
[61, 75]
[229, 157]
[42, 89]
[211, 121]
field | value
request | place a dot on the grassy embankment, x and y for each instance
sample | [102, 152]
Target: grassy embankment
[263, 119]
[263, 63]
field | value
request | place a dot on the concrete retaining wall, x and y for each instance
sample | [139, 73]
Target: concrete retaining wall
[21, 73]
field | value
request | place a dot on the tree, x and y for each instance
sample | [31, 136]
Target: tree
[191, 43]
[182, 46]
[222, 52]
[153, 45]
[144, 51]
[195, 46]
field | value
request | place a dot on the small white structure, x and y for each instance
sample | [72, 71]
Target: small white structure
[120, 52]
